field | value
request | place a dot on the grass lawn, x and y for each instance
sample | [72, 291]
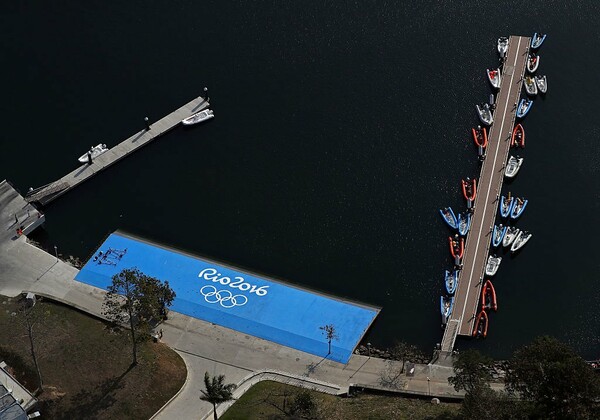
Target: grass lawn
[86, 366]
[259, 401]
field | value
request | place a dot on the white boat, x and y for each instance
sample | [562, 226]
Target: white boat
[93, 153]
[533, 62]
[198, 117]
[530, 85]
[520, 240]
[485, 114]
[513, 166]
[494, 78]
[492, 265]
[542, 83]
[502, 46]
[510, 236]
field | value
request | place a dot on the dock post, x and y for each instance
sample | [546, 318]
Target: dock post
[205, 93]
[147, 123]
[89, 156]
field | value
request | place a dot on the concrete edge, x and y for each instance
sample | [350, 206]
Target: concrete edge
[277, 376]
[187, 379]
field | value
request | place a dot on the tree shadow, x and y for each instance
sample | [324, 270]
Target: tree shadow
[88, 404]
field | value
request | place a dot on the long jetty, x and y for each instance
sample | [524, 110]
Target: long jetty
[49, 192]
[470, 279]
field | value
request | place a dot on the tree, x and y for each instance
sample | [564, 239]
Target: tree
[403, 351]
[470, 371]
[138, 300]
[31, 317]
[216, 391]
[330, 334]
[483, 403]
[556, 380]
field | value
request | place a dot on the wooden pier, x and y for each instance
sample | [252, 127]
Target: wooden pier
[489, 186]
[45, 194]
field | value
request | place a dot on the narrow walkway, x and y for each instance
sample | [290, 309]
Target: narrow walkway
[478, 242]
[47, 193]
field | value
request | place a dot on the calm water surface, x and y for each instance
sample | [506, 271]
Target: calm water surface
[340, 129]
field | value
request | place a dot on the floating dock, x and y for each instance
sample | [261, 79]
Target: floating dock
[470, 280]
[49, 192]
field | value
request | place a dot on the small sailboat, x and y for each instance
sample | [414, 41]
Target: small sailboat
[518, 208]
[451, 281]
[494, 77]
[464, 223]
[530, 85]
[518, 136]
[493, 263]
[94, 152]
[537, 40]
[522, 238]
[481, 325]
[480, 139]
[524, 107]
[498, 235]
[502, 46]
[513, 166]
[488, 296]
[457, 248]
[506, 205]
[485, 114]
[198, 117]
[510, 236]
[446, 304]
[469, 189]
[542, 83]
[449, 217]
[533, 62]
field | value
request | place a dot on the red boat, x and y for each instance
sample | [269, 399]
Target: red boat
[488, 296]
[457, 246]
[469, 188]
[481, 325]
[480, 136]
[518, 136]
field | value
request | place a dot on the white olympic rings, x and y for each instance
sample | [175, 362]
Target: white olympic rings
[224, 297]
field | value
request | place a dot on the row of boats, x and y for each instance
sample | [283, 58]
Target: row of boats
[510, 208]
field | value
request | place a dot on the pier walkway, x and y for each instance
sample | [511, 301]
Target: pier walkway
[478, 242]
[45, 194]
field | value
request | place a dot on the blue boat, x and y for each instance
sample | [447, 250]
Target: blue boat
[449, 217]
[464, 223]
[524, 107]
[506, 206]
[518, 208]
[498, 236]
[537, 40]
[446, 304]
[451, 281]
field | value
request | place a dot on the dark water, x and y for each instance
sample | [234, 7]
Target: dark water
[340, 129]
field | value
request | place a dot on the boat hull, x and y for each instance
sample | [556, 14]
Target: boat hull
[513, 166]
[524, 107]
[518, 208]
[506, 208]
[449, 217]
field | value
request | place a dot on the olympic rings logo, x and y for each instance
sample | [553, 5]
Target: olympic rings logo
[224, 297]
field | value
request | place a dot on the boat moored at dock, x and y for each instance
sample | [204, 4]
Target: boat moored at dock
[530, 86]
[510, 236]
[502, 46]
[537, 40]
[485, 113]
[506, 205]
[542, 83]
[522, 238]
[493, 263]
[518, 208]
[494, 77]
[481, 325]
[451, 281]
[449, 217]
[488, 296]
[198, 117]
[464, 223]
[518, 136]
[93, 153]
[513, 166]
[524, 107]
[533, 62]
[498, 234]
[446, 305]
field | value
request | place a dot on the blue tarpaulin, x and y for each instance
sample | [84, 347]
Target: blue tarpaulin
[235, 299]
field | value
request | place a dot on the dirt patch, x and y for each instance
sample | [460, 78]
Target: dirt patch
[86, 366]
